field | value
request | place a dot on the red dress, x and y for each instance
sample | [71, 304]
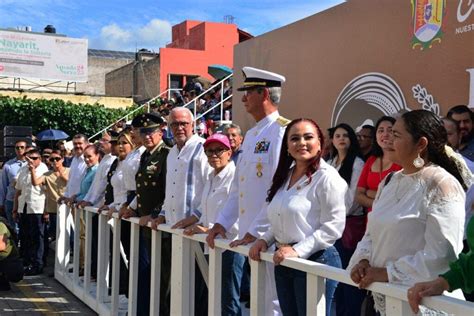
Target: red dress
[370, 180]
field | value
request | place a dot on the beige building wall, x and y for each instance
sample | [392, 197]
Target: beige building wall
[360, 59]
[140, 80]
[97, 69]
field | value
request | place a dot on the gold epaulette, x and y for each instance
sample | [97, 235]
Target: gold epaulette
[283, 121]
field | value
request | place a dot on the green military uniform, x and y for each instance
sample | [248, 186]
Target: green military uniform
[151, 181]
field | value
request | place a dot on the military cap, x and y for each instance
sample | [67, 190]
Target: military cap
[137, 121]
[151, 121]
[259, 78]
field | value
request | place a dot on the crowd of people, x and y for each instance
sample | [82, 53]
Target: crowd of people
[388, 203]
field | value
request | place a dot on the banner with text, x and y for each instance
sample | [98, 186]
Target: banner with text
[30, 55]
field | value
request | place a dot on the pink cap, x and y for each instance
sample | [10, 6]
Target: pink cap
[218, 138]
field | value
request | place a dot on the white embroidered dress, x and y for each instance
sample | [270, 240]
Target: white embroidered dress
[415, 228]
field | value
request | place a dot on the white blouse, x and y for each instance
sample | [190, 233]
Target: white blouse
[310, 214]
[354, 208]
[415, 228]
[214, 195]
[119, 186]
[132, 162]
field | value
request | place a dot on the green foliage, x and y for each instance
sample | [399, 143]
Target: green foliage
[42, 114]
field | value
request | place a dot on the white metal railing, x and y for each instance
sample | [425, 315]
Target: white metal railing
[185, 249]
[193, 102]
[127, 116]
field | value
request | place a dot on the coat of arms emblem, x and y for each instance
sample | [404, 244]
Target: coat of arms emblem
[427, 22]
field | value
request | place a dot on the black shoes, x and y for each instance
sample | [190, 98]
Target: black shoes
[30, 270]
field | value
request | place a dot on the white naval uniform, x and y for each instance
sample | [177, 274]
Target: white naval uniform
[186, 172]
[255, 168]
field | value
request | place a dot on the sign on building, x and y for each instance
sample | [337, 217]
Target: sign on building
[40, 56]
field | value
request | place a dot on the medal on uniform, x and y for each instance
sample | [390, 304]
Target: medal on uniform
[259, 169]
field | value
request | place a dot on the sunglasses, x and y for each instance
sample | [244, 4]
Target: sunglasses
[217, 152]
[19, 147]
[34, 158]
[54, 159]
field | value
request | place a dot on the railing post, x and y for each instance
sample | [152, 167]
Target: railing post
[396, 307]
[88, 251]
[257, 287]
[102, 259]
[195, 112]
[222, 99]
[116, 266]
[315, 295]
[77, 243]
[155, 272]
[62, 241]
[133, 268]
[180, 276]
[215, 280]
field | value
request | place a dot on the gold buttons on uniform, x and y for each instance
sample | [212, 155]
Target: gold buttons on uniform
[139, 205]
[140, 174]
[153, 184]
[145, 183]
[138, 185]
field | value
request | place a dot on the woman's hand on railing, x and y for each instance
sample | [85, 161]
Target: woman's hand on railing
[195, 229]
[126, 212]
[284, 252]
[188, 221]
[216, 230]
[157, 221]
[144, 220]
[103, 208]
[359, 271]
[373, 275]
[248, 238]
[423, 289]
[259, 246]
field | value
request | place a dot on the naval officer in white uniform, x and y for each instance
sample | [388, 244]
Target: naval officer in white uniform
[255, 168]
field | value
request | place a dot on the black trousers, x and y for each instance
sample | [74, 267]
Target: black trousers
[32, 239]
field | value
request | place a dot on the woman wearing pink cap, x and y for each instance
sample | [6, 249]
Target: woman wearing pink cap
[216, 189]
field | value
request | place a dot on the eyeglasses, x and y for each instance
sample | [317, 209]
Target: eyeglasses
[218, 152]
[19, 147]
[179, 124]
[54, 159]
[34, 158]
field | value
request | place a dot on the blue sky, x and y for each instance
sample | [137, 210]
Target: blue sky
[127, 25]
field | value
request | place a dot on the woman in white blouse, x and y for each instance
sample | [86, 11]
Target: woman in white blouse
[214, 195]
[306, 212]
[416, 225]
[125, 146]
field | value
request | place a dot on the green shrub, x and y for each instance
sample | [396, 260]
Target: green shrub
[42, 114]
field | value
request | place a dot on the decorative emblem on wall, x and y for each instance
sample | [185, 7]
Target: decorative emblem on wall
[368, 96]
[427, 19]
[425, 99]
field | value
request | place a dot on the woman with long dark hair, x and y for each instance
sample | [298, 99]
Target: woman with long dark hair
[378, 166]
[416, 226]
[306, 212]
[346, 159]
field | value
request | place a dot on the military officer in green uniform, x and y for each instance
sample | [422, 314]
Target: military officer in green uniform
[150, 194]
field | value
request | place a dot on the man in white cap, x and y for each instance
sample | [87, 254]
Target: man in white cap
[255, 168]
